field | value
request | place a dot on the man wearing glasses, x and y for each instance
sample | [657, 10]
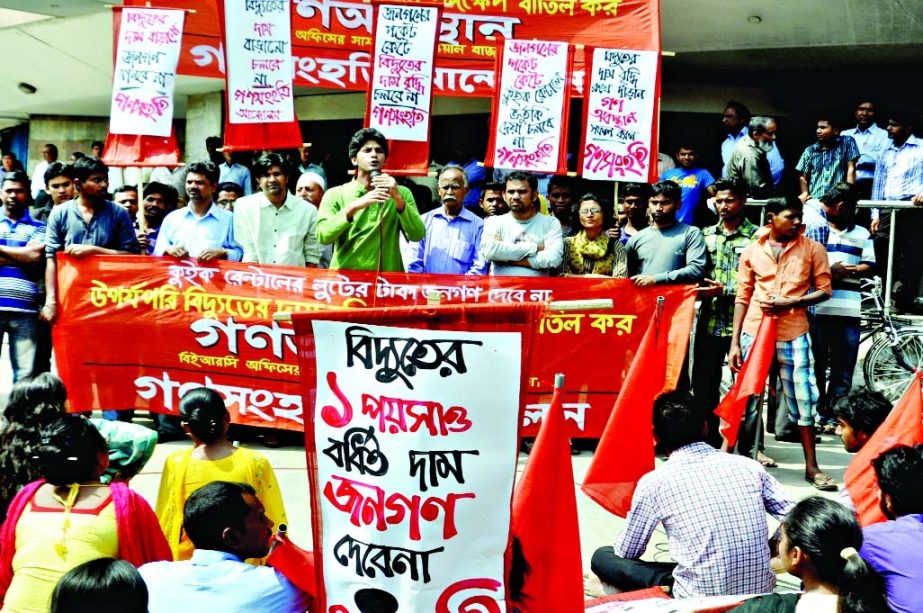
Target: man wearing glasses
[453, 233]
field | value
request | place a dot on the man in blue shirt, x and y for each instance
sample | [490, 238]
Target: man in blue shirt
[202, 229]
[227, 524]
[695, 183]
[231, 170]
[453, 232]
[871, 141]
[21, 251]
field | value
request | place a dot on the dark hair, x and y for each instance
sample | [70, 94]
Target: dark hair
[32, 403]
[97, 143]
[54, 149]
[562, 181]
[58, 169]
[212, 508]
[787, 203]
[104, 585]
[678, 419]
[69, 449]
[687, 147]
[125, 188]
[825, 531]
[668, 189]
[363, 136]
[743, 112]
[835, 120]
[230, 186]
[735, 186]
[608, 212]
[206, 168]
[519, 175]
[17, 176]
[203, 410]
[86, 166]
[842, 192]
[641, 190]
[264, 163]
[493, 186]
[863, 409]
[170, 196]
[78, 155]
[519, 568]
[904, 116]
[900, 475]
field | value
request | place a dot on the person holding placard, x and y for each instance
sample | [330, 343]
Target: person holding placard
[362, 218]
[523, 242]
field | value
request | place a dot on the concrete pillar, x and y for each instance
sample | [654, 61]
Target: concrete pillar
[203, 119]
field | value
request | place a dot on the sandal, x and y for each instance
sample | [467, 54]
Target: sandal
[765, 460]
[829, 429]
[822, 482]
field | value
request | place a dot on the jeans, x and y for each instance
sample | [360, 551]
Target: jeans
[835, 341]
[20, 329]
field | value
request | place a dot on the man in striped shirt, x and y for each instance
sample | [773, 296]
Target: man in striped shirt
[835, 327]
[21, 250]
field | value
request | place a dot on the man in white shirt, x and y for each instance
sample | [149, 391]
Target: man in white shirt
[523, 242]
[871, 141]
[735, 118]
[274, 226]
[49, 157]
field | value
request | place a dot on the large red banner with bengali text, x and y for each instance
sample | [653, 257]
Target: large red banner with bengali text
[139, 332]
[332, 39]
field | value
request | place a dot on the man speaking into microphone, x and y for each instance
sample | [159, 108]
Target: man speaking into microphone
[362, 218]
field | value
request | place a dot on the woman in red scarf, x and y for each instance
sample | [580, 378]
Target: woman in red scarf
[70, 517]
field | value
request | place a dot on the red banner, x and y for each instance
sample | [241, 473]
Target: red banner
[138, 332]
[332, 39]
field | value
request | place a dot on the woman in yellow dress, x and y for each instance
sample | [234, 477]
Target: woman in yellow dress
[592, 252]
[212, 458]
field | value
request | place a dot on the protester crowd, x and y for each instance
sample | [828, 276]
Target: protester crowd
[69, 514]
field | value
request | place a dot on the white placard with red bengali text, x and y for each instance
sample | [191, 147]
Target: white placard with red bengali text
[145, 72]
[529, 119]
[402, 71]
[259, 61]
[415, 462]
[620, 115]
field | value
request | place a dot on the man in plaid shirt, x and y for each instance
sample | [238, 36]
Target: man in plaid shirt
[713, 507]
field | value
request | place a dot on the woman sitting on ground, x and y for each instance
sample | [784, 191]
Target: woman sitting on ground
[33, 404]
[592, 252]
[212, 458]
[70, 517]
[820, 545]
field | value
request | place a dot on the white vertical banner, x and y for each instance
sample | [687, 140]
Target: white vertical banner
[415, 464]
[619, 115]
[145, 72]
[401, 88]
[530, 108]
[258, 43]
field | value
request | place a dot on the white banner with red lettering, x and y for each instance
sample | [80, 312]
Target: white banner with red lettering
[258, 43]
[415, 464]
[529, 121]
[401, 87]
[144, 76]
[619, 116]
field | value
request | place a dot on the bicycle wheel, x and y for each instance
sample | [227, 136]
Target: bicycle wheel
[882, 369]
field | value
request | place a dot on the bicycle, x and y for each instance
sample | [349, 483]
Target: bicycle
[897, 344]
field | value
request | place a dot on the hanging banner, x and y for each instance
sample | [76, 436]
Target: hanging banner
[402, 77]
[332, 39]
[144, 77]
[529, 122]
[412, 468]
[260, 92]
[619, 139]
[137, 332]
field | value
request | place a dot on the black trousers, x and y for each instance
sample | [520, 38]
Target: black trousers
[627, 575]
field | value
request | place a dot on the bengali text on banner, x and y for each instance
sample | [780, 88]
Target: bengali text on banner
[139, 333]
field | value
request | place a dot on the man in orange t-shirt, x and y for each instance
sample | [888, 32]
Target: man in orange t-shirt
[783, 273]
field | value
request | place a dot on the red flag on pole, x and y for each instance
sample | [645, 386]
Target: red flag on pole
[544, 498]
[294, 562]
[750, 381]
[904, 426]
[626, 449]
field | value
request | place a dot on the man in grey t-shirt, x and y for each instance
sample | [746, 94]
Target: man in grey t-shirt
[668, 251]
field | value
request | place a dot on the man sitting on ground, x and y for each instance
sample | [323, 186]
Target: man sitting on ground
[713, 507]
[895, 548]
[227, 524]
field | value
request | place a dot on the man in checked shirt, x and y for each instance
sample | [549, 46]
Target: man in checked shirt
[713, 506]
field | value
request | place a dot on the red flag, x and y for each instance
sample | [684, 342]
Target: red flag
[294, 562]
[545, 503]
[750, 381]
[904, 426]
[626, 449]
[136, 150]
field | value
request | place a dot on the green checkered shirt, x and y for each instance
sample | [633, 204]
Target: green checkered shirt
[723, 257]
